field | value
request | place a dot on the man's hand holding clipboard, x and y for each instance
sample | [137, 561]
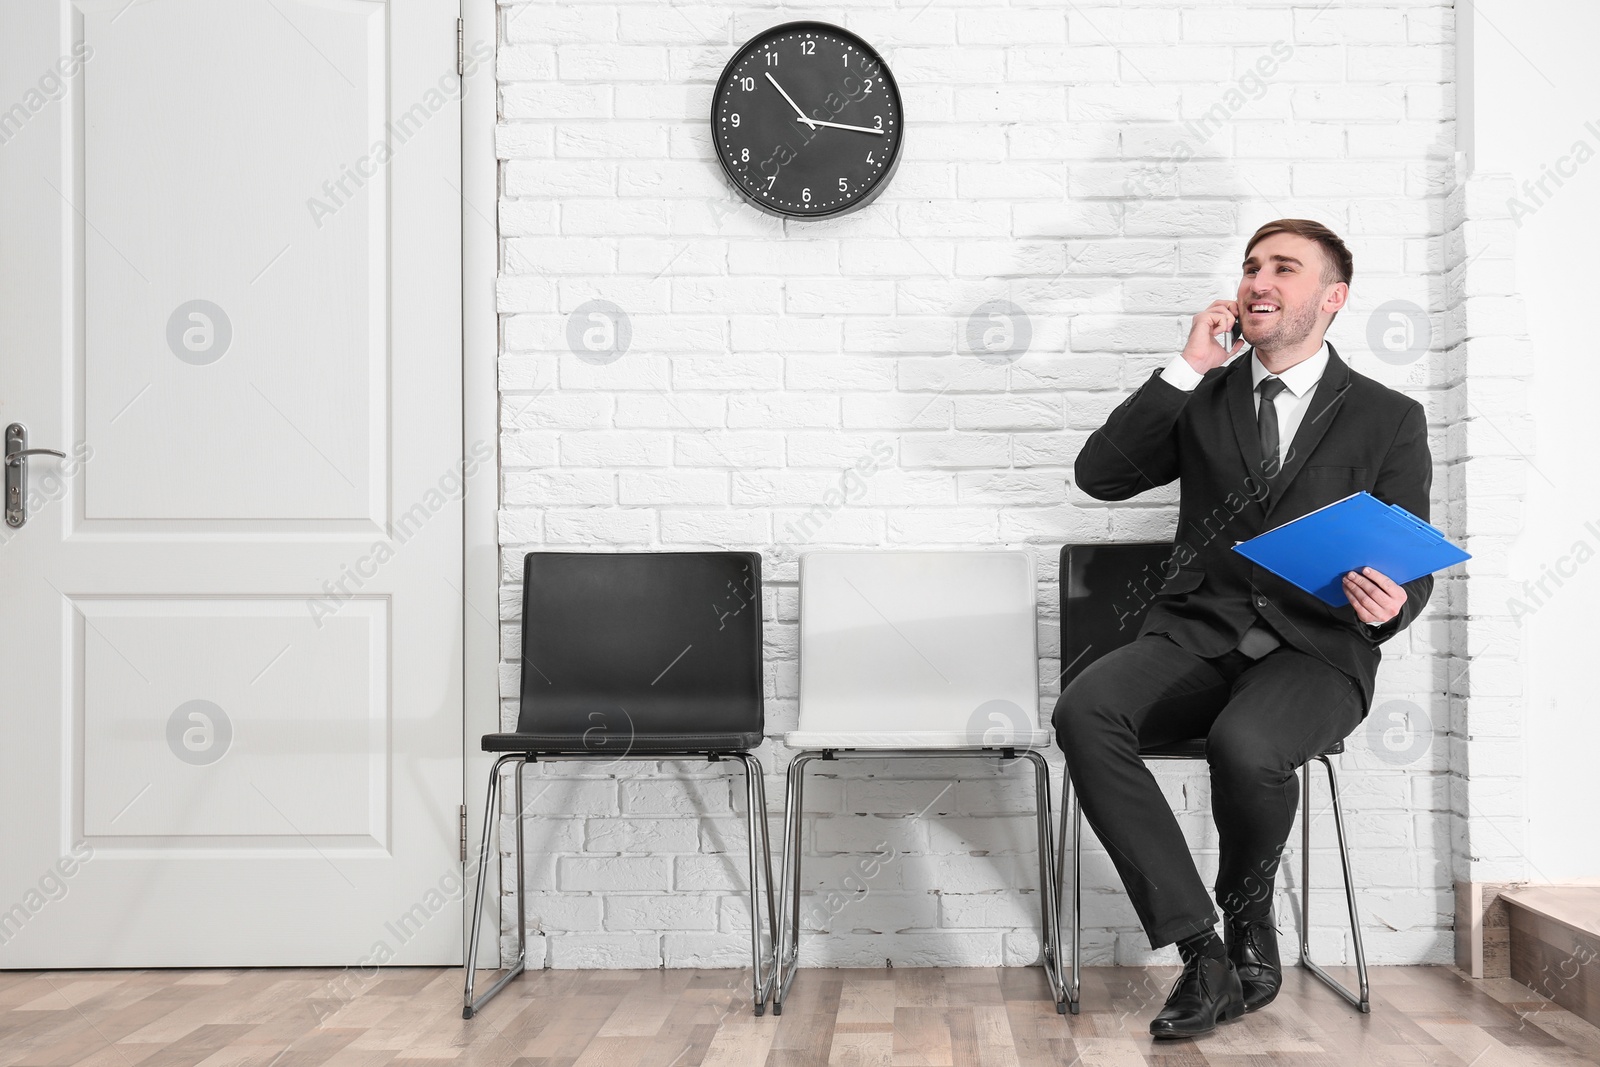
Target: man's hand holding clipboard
[1356, 552]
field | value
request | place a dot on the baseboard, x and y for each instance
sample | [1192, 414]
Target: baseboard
[1483, 929]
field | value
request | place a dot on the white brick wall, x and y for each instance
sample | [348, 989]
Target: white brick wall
[1490, 362]
[1043, 167]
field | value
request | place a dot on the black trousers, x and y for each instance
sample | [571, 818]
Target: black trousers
[1261, 719]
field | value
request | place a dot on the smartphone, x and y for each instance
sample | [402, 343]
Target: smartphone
[1236, 334]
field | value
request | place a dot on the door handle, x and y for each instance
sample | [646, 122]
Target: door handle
[13, 457]
[17, 453]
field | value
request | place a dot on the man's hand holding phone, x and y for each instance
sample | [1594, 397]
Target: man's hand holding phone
[1203, 351]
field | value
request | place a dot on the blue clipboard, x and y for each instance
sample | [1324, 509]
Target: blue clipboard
[1318, 549]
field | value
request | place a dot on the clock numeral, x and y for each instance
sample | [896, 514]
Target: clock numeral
[772, 59]
[869, 87]
[734, 118]
[808, 48]
[744, 156]
[805, 195]
[869, 157]
[747, 84]
[844, 187]
[770, 179]
[879, 120]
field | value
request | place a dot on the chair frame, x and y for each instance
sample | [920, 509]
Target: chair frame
[787, 962]
[763, 964]
[1362, 1002]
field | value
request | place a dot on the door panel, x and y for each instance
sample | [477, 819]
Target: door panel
[140, 714]
[204, 238]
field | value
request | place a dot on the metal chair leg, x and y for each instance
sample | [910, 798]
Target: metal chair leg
[522, 881]
[772, 907]
[1077, 893]
[788, 955]
[1049, 893]
[763, 976]
[1362, 1002]
[1061, 836]
[756, 810]
[469, 1006]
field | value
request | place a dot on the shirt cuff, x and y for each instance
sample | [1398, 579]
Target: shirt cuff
[1180, 375]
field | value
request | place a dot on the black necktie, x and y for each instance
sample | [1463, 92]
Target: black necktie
[1267, 424]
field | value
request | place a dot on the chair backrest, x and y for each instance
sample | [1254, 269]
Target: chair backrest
[648, 643]
[1106, 590]
[917, 641]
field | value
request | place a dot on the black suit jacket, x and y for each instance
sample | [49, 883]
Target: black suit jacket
[1356, 434]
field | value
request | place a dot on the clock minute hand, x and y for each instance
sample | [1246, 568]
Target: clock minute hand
[808, 121]
[842, 126]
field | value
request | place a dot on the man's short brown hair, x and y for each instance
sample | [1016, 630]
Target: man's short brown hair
[1337, 263]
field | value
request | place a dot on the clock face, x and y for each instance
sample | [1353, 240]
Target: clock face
[806, 120]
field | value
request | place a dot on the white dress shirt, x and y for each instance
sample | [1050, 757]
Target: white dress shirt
[1298, 382]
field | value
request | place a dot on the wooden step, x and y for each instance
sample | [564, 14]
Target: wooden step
[1555, 944]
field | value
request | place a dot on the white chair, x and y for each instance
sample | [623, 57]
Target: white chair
[915, 654]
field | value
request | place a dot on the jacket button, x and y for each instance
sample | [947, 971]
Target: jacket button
[1261, 601]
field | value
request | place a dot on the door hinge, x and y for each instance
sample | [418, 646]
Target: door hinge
[461, 47]
[463, 833]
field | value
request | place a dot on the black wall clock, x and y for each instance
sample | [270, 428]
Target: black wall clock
[806, 121]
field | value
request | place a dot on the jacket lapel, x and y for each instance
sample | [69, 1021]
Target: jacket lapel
[1242, 413]
[1326, 399]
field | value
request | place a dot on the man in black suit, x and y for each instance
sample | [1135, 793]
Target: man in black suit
[1268, 674]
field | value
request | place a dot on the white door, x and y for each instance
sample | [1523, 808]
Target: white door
[230, 627]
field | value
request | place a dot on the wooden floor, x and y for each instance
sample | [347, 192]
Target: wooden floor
[296, 1018]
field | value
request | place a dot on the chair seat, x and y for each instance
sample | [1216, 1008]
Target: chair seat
[1195, 748]
[927, 739]
[619, 745]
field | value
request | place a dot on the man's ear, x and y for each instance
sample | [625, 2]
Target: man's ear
[1338, 296]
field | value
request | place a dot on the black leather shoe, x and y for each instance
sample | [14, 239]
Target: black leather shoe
[1253, 951]
[1205, 994]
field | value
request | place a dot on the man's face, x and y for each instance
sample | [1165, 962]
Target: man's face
[1281, 295]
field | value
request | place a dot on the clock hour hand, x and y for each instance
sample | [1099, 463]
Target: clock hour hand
[842, 126]
[808, 121]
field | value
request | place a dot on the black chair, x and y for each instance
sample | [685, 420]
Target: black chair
[637, 656]
[1106, 590]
